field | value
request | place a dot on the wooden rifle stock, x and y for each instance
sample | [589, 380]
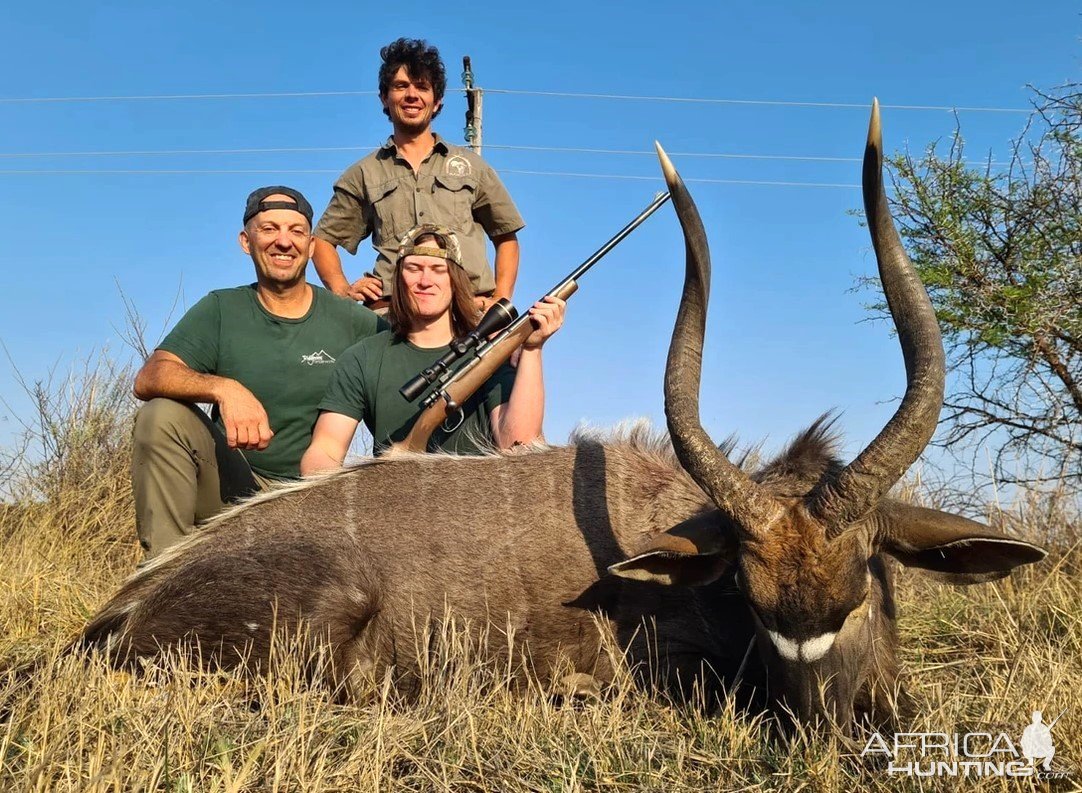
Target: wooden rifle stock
[474, 374]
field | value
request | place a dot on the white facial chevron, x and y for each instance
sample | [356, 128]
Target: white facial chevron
[811, 650]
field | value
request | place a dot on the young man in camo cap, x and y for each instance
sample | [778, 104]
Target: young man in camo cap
[261, 355]
[431, 305]
[417, 177]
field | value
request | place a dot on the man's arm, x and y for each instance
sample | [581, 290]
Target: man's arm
[166, 375]
[329, 267]
[497, 214]
[331, 438]
[520, 420]
[343, 224]
[506, 264]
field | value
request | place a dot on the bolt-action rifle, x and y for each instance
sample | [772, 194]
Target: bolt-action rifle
[455, 387]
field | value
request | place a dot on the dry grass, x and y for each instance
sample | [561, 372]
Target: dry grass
[975, 658]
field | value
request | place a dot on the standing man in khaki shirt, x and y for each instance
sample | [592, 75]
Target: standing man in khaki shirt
[415, 178]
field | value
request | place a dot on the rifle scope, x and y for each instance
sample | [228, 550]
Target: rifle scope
[499, 316]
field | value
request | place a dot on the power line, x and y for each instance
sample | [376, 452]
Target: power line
[700, 181]
[56, 171]
[777, 102]
[155, 152]
[652, 153]
[204, 171]
[713, 154]
[516, 92]
[505, 147]
[168, 97]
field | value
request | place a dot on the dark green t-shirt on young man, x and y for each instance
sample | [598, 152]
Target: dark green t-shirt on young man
[285, 363]
[365, 384]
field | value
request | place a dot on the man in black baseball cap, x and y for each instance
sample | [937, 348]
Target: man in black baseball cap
[261, 355]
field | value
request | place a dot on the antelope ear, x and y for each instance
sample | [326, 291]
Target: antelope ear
[692, 553]
[955, 549]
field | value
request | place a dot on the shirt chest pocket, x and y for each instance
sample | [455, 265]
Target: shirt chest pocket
[454, 197]
[392, 210]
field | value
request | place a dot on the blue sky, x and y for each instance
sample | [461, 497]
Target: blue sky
[785, 337]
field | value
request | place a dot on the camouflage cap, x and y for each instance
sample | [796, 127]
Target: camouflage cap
[448, 247]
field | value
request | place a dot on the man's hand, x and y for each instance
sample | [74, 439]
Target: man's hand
[547, 315]
[366, 288]
[245, 420]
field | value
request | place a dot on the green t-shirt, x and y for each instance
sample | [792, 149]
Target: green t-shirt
[365, 386]
[285, 363]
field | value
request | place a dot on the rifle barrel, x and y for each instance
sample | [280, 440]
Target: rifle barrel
[659, 199]
[599, 254]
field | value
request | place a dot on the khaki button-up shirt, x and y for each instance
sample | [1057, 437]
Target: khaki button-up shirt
[383, 197]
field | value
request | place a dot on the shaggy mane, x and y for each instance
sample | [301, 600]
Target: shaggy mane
[636, 434]
[812, 454]
[809, 457]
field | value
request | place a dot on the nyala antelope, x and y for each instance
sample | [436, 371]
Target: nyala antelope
[627, 531]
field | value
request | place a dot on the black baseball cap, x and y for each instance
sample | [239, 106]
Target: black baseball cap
[257, 203]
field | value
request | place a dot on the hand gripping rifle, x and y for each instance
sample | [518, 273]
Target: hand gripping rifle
[456, 387]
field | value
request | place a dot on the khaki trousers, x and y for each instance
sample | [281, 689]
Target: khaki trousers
[183, 471]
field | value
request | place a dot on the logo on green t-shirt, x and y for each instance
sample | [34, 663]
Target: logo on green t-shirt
[316, 358]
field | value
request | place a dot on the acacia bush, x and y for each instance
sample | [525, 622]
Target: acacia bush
[1000, 250]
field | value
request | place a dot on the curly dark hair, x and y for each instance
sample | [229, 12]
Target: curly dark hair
[420, 59]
